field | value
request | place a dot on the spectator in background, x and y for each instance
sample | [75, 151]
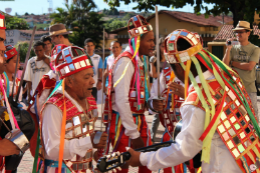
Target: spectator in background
[153, 74]
[243, 59]
[48, 45]
[116, 48]
[36, 67]
[97, 65]
[59, 34]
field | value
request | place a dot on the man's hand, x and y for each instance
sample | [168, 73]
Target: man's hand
[99, 85]
[2, 110]
[8, 148]
[176, 89]
[102, 141]
[134, 159]
[137, 143]
[229, 46]
[158, 105]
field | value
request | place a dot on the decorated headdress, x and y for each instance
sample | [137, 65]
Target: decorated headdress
[56, 50]
[10, 52]
[175, 52]
[71, 60]
[2, 21]
[141, 26]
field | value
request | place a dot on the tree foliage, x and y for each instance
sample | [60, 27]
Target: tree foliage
[113, 24]
[241, 9]
[80, 18]
[112, 11]
[23, 50]
[13, 22]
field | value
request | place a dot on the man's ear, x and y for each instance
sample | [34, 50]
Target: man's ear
[68, 82]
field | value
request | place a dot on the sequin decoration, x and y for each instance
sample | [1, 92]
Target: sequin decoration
[82, 63]
[230, 144]
[236, 140]
[242, 122]
[241, 148]
[77, 131]
[72, 68]
[233, 119]
[238, 115]
[76, 120]
[232, 95]
[217, 96]
[183, 33]
[242, 135]
[247, 118]
[247, 130]
[228, 99]
[237, 102]
[171, 46]
[252, 138]
[225, 136]
[77, 65]
[227, 124]
[175, 32]
[221, 128]
[242, 110]
[189, 36]
[223, 116]
[66, 52]
[68, 59]
[233, 106]
[231, 132]
[237, 126]
[228, 111]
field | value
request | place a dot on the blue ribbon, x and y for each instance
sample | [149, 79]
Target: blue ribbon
[7, 84]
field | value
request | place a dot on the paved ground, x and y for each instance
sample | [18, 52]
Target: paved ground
[27, 161]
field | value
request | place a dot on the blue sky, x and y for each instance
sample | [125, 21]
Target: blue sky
[41, 6]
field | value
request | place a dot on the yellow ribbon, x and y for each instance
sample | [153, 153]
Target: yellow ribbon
[136, 50]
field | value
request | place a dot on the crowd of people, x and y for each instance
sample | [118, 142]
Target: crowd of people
[213, 101]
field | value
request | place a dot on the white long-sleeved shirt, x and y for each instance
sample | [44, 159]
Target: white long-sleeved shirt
[120, 99]
[154, 89]
[45, 93]
[188, 145]
[51, 130]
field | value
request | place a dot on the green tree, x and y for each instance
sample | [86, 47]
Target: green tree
[241, 9]
[80, 18]
[13, 22]
[128, 16]
[113, 24]
[23, 50]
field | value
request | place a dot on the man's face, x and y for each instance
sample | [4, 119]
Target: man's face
[147, 44]
[48, 45]
[39, 51]
[2, 50]
[242, 35]
[90, 47]
[56, 39]
[178, 71]
[116, 49]
[82, 83]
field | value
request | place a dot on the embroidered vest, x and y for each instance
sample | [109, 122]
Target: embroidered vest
[80, 126]
[235, 127]
[169, 115]
[132, 92]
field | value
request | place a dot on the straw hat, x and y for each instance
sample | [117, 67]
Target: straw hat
[243, 25]
[58, 29]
